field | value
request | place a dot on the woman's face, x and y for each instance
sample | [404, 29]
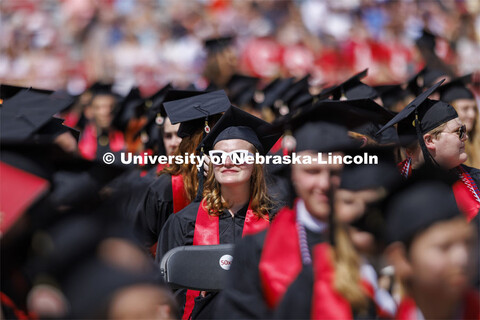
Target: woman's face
[228, 173]
[351, 206]
[467, 112]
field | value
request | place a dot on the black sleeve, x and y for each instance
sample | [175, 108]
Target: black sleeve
[178, 230]
[293, 304]
[154, 210]
[243, 296]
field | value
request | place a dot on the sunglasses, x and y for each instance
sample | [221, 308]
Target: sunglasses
[462, 132]
[238, 157]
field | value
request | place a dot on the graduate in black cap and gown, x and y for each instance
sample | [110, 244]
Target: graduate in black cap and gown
[235, 201]
[433, 250]
[99, 136]
[267, 263]
[177, 184]
[356, 213]
[439, 139]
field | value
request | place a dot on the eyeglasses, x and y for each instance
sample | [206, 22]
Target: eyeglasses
[238, 157]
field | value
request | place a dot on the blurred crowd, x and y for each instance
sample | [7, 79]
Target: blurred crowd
[73, 43]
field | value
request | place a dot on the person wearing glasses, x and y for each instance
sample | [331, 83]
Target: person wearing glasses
[439, 139]
[235, 201]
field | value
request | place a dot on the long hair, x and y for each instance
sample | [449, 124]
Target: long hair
[188, 171]
[472, 145]
[260, 201]
[347, 271]
[187, 146]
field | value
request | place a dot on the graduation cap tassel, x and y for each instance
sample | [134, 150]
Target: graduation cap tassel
[200, 176]
[201, 171]
[331, 222]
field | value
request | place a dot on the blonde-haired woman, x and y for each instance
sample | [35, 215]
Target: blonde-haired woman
[235, 201]
[463, 100]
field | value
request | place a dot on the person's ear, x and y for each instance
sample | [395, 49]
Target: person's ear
[428, 138]
[409, 152]
[163, 311]
[396, 254]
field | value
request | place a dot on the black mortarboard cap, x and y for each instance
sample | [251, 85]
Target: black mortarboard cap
[301, 101]
[271, 93]
[431, 114]
[426, 40]
[7, 91]
[391, 94]
[423, 200]
[383, 175]
[154, 104]
[156, 115]
[356, 177]
[218, 44]
[352, 114]
[324, 126]
[52, 129]
[127, 109]
[241, 89]
[28, 111]
[295, 96]
[456, 89]
[192, 112]
[353, 89]
[99, 88]
[425, 78]
[238, 124]
[364, 116]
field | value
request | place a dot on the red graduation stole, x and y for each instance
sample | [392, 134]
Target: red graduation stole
[327, 303]
[277, 146]
[9, 304]
[281, 260]
[207, 233]
[180, 199]
[466, 194]
[88, 143]
[465, 190]
[407, 310]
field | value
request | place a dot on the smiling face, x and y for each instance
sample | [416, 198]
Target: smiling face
[446, 147]
[102, 107]
[315, 184]
[230, 174]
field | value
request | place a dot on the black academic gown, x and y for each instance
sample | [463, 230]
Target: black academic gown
[243, 297]
[299, 306]
[179, 231]
[154, 210]
[128, 191]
